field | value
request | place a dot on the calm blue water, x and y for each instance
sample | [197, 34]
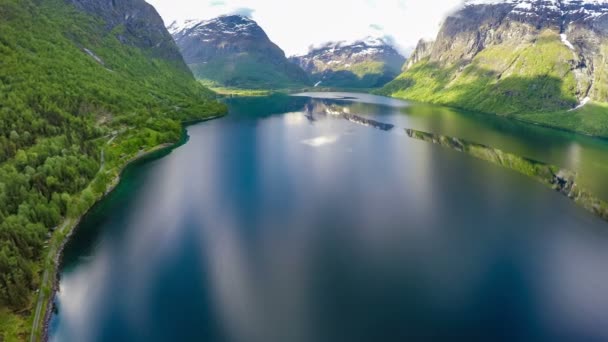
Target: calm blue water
[284, 222]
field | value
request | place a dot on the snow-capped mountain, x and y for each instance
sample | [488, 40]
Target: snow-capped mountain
[234, 50]
[370, 62]
[526, 55]
[549, 11]
[229, 26]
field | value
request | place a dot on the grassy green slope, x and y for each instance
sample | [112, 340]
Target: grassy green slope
[592, 119]
[368, 74]
[529, 81]
[501, 79]
[59, 108]
[249, 71]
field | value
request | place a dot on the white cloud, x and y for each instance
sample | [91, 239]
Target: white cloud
[296, 25]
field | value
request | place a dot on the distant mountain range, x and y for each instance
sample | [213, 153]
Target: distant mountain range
[367, 63]
[524, 58]
[235, 51]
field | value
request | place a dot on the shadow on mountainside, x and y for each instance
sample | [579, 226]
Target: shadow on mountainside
[481, 89]
[250, 71]
[592, 119]
[265, 106]
[348, 79]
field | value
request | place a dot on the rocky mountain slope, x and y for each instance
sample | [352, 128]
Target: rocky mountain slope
[367, 63]
[139, 25]
[235, 51]
[518, 57]
[85, 85]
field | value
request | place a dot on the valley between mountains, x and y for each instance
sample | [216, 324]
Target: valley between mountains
[89, 86]
[534, 60]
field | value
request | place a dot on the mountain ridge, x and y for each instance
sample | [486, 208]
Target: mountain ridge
[540, 61]
[234, 51]
[366, 63]
[142, 26]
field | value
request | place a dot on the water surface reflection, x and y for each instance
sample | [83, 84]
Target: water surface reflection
[247, 233]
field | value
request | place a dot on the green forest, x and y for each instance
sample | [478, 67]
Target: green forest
[76, 104]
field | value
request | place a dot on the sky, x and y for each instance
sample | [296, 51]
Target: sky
[296, 25]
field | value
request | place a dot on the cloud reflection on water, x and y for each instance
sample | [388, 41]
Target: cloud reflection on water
[247, 231]
[320, 141]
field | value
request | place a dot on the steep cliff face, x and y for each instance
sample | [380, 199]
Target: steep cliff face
[235, 51]
[484, 23]
[513, 57]
[422, 51]
[367, 63]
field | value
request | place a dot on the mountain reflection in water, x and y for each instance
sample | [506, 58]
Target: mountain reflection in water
[562, 180]
[280, 223]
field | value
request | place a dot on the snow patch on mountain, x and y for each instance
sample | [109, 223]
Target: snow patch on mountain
[566, 42]
[345, 53]
[582, 103]
[227, 25]
[373, 44]
[177, 26]
[579, 9]
[367, 63]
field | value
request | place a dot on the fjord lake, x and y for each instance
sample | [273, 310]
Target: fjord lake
[317, 218]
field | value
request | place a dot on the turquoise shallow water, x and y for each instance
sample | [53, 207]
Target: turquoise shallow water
[289, 221]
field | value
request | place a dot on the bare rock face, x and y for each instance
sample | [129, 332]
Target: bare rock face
[581, 25]
[136, 23]
[422, 51]
[371, 62]
[223, 36]
[467, 32]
